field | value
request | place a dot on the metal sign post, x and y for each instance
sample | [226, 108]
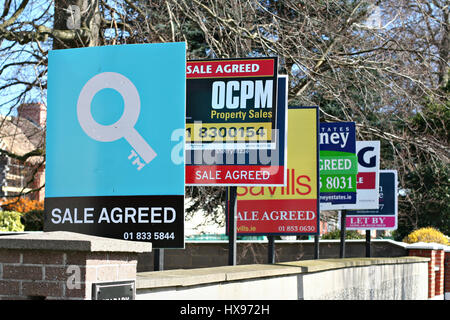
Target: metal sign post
[158, 260]
[342, 246]
[316, 246]
[368, 242]
[271, 250]
[232, 195]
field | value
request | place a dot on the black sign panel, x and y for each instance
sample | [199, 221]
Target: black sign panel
[153, 219]
[120, 290]
[387, 199]
[386, 216]
[231, 122]
[232, 100]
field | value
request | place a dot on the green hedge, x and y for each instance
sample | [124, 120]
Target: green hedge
[10, 221]
[336, 234]
[33, 220]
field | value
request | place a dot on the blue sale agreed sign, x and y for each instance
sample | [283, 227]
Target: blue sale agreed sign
[115, 141]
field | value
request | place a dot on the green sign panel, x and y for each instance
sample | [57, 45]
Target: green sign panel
[338, 165]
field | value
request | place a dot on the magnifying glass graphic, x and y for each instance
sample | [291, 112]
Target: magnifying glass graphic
[124, 127]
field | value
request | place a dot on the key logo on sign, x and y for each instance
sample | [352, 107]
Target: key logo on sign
[124, 127]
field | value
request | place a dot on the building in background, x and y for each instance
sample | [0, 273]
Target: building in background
[20, 135]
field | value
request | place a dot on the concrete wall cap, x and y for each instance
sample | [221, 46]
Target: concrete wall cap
[71, 241]
[426, 245]
[193, 277]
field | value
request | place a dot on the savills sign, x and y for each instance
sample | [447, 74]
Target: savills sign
[293, 208]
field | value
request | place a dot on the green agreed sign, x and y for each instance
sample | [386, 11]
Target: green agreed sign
[338, 171]
[338, 165]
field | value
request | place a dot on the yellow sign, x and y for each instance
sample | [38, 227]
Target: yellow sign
[302, 158]
[293, 208]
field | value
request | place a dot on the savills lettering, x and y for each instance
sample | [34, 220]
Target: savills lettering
[295, 184]
[274, 215]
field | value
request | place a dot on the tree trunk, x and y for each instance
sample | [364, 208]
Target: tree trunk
[80, 20]
[444, 49]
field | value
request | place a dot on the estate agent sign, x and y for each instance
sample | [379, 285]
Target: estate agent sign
[338, 165]
[114, 119]
[231, 122]
[385, 217]
[367, 180]
[294, 208]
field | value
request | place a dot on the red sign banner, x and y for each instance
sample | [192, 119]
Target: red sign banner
[229, 68]
[282, 216]
[366, 180]
[228, 174]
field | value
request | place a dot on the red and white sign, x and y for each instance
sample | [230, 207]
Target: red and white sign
[238, 174]
[367, 180]
[287, 216]
[229, 68]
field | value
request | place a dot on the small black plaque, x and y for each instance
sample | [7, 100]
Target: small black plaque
[119, 290]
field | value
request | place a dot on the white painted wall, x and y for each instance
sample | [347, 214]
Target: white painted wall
[392, 281]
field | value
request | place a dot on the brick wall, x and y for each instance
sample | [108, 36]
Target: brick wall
[440, 272]
[35, 112]
[40, 274]
[447, 273]
[39, 180]
[436, 269]
[431, 274]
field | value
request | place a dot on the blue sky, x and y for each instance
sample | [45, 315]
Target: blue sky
[11, 53]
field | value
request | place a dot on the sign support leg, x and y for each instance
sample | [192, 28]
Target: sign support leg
[271, 250]
[342, 247]
[316, 246]
[158, 260]
[232, 197]
[368, 242]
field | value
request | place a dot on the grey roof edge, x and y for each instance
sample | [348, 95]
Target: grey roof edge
[71, 241]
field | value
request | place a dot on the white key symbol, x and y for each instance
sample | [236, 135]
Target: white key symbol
[124, 127]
